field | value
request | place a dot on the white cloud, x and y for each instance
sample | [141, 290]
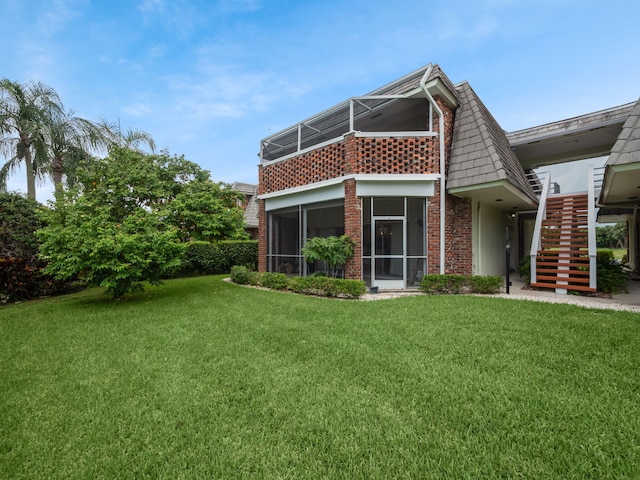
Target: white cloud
[451, 25]
[226, 91]
[138, 110]
[240, 5]
[56, 15]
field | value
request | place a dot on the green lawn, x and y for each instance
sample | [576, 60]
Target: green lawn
[204, 379]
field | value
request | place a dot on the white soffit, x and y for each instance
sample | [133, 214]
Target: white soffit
[321, 194]
[395, 188]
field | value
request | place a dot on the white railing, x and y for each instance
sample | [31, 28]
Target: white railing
[537, 231]
[536, 180]
[591, 226]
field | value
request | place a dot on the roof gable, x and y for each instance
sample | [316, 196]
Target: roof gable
[480, 151]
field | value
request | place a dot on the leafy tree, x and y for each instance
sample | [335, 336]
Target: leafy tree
[24, 111]
[332, 250]
[117, 227]
[208, 211]
[612, 236]
[18, 223]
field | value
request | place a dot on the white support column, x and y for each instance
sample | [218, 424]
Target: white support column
[537, 230]
[591, 229]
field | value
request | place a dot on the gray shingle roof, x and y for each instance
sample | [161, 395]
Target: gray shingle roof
[251, 210]
[480, 151]
[627, 146]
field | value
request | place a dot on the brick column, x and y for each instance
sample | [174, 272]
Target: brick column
[433, 231]
[262, 225]
[353, 228]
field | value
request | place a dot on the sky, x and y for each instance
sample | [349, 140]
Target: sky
[208, 79]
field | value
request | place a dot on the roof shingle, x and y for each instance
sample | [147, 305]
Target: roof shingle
[480, 151]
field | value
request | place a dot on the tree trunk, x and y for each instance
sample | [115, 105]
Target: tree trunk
[57, 170]
[31, 176]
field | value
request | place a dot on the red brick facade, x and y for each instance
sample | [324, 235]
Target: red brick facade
[378, 155]
[353, 228]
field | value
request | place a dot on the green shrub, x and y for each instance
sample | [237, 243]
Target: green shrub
[243, 276]
[332, 250]
[453, 284]
[22, 278]
[240, 252]
[485, 284]
[328, 287]
[611, 275]
[205, 258]
[524, 269]
[438, 283]
[274, 280]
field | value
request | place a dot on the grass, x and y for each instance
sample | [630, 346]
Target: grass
[203, 379]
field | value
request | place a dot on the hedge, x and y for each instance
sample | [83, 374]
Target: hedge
[314, 285]
[453, 284]
[205, 258]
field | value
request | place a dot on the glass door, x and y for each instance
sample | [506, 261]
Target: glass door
[388, 255]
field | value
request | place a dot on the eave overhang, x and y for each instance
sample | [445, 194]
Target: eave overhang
[500, 194]
[621, 185]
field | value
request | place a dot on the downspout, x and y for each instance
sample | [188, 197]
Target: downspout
[423, 82]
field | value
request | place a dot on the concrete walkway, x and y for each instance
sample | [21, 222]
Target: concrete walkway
[621, 301]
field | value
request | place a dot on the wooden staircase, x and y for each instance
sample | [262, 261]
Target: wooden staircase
[562, 262]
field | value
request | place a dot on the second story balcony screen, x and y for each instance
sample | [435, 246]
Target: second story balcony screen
[389, 115]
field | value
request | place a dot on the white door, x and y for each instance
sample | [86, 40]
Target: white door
[388, 255]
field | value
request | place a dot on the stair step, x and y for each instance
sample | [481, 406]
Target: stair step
[580, 273]
[556, 264]
[582, 288]
[553, 278]
[578, 252]
[563, 261]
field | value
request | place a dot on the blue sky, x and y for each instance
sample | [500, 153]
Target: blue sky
[209, 79]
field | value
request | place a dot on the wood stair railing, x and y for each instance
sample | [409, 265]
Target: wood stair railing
[562, 262]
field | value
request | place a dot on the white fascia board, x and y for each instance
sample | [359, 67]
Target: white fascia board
[373, 177]
[437, 87]
[395, 134]
[303, 188]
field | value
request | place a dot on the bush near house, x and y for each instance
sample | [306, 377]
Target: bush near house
[454, 284]
[313, 285]
[612, 277]
[206, 258]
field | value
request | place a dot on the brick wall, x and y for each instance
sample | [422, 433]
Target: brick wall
[353, 228]
[386, 155]
[458, 245]
[262, 225]
[320, 164]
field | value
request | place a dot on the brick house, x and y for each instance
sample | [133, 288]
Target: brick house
[418, 173]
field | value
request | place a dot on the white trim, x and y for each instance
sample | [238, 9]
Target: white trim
[373, 177]
[419, 134]
[328, 192]
[398, 188]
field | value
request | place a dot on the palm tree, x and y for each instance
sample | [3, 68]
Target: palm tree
[112, 136]
[24, 111]
[68, 140]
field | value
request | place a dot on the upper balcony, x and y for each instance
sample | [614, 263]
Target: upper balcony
[401, 108]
